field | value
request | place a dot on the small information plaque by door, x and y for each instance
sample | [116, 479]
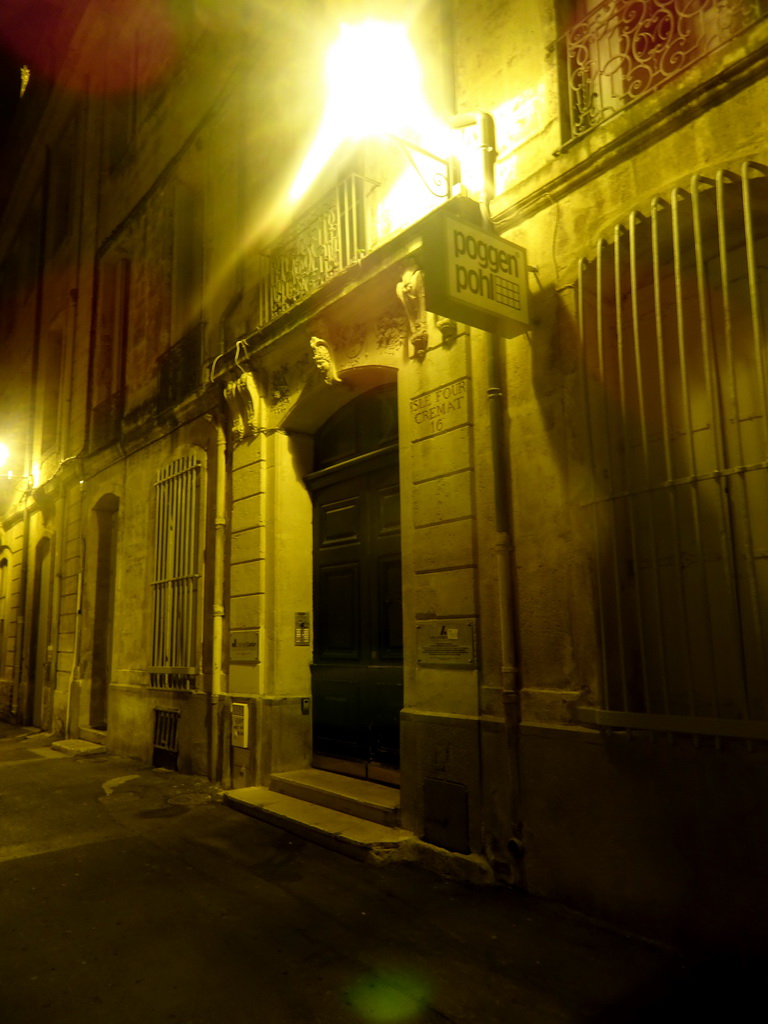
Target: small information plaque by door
[244, 645]
[301, 630]
[445, 643]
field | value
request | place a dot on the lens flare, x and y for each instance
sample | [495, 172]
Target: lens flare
[389, 997]
[373, 88]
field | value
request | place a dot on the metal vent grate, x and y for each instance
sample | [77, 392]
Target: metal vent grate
[165, 743]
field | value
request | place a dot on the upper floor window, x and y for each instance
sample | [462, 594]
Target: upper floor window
[50, 388]
[108, 372]
[62, 187]
[617, 51]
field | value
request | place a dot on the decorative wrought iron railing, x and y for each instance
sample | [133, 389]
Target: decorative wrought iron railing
[625, 49]
[331, 236]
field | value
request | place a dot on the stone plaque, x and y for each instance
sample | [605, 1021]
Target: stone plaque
[445, 643]
[440, 409]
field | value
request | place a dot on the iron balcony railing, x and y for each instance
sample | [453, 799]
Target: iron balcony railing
[330, 237]
[622, 50]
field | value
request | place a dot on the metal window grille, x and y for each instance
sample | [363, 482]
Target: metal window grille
[177, 575]
[672, 313]
[623, 50]
[330, 237]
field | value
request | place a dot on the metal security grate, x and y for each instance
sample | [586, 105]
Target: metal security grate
[165, 742]
[672, 313]
[166, 735]
[177, 574]
[623, 50]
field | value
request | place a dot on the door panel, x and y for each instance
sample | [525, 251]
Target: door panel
[338, 612]
[357, 678]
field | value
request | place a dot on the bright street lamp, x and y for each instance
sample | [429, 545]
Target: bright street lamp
[374, 87]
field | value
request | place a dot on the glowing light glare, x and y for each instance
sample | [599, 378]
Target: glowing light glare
[373, 87]
[4, 454]
[389, 997]
[373, 76]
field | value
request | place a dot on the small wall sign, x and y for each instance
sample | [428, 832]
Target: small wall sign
[441, 408]
[244, 645]
[445, 643]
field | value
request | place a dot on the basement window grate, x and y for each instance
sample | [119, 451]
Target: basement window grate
[165, 742]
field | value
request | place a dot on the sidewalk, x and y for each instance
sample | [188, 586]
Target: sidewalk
[133, 893]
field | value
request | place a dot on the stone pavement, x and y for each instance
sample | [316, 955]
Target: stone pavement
[134, 894]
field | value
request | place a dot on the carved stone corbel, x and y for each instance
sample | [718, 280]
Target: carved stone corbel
[323, 357]
[242, 398]
[410, 291]
[448, 328]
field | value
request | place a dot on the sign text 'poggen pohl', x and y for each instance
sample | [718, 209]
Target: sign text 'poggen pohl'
[474, 277]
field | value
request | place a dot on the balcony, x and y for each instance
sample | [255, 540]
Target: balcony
[331, 236]
[624, 50]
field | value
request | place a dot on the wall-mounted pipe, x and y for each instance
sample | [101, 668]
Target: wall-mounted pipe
[217, 639]
[501, 469]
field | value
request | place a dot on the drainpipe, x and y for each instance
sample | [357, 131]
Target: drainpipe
[504, 547]
[220, 524]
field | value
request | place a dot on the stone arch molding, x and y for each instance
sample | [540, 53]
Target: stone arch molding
[319, 366]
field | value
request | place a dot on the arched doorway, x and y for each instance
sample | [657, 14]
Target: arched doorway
[357, 669]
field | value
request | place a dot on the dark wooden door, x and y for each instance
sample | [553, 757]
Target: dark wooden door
[357, 673]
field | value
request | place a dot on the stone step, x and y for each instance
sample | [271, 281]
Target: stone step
[358, 797]
[343, 833]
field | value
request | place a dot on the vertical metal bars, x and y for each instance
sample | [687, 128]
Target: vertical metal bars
[330, 237]
[672, 317]
[177, 574]
[166, 732]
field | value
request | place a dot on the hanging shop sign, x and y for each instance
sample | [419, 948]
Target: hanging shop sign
[472, 275]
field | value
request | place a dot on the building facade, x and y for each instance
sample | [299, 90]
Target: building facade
[275, 506]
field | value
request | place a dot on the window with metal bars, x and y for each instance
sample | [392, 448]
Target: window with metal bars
[672, 313]
[175, 628]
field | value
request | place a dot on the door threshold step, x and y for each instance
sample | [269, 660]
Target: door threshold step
[343, 833]
[357, 797]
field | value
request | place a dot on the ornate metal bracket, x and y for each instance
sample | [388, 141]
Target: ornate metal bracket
[323, 357]
[410, 291]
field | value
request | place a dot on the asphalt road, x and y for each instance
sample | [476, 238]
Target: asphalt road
[129, 894]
